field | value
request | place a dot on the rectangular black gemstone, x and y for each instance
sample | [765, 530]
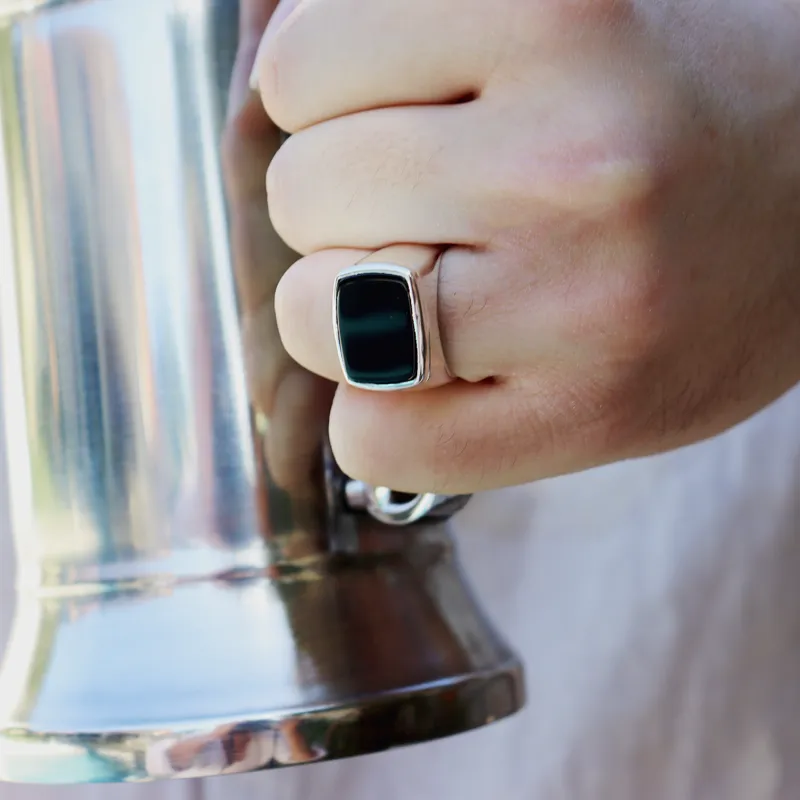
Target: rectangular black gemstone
[376, 329]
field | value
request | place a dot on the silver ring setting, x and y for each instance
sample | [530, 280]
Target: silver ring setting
[378, 320]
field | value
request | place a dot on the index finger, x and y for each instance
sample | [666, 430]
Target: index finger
[328, 58]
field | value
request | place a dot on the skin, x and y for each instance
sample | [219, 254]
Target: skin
[616, 184]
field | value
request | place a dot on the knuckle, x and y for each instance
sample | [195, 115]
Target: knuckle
[608, 185]
[600, 161]
[578, 185]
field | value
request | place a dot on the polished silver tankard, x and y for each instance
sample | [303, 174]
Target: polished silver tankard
[200, 590]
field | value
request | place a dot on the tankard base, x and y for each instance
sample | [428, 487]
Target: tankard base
[226, 747]
[340, 658]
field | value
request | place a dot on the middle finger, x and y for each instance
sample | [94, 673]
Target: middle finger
[380, 177]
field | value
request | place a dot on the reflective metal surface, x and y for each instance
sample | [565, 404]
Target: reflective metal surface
[197, 593]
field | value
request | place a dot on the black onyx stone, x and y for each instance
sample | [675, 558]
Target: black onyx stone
[376, 329]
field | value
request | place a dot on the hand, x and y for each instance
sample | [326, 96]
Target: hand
[618, 183]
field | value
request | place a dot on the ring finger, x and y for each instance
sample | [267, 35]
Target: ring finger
[467, 338]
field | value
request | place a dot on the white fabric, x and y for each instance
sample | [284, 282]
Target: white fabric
[657, 607]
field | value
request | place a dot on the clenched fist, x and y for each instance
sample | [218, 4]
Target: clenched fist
[614, 185]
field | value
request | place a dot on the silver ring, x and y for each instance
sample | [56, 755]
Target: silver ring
[381, 323]
[382, 504]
